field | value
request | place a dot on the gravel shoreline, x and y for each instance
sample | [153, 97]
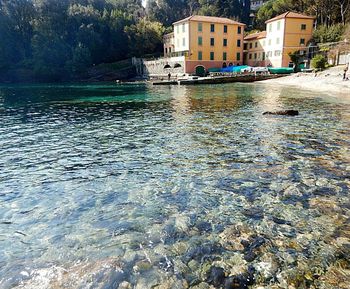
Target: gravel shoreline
[329, 80]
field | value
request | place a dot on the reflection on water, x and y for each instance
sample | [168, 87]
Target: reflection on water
[122, 186]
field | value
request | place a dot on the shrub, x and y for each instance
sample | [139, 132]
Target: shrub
[319, 62]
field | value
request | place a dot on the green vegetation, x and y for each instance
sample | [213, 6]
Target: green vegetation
[295, 58]
[57, 40]
[326, 12]
[324, 34]
[319, 62]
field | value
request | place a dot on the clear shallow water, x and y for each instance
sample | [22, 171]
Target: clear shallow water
[104, 184]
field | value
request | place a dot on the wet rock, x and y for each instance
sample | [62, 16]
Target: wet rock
[241, 281]
[251, 247]
[254, 213]
[182, 223]
[250, 256]
[204, 226]
[207, 250]
[193, 265]
[288, 112]
[179, 248]
[281, 221]
[216, 276]
[201, 285]
[142, 266]
[125, 285]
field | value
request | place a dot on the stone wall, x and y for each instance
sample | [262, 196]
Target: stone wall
[161, 67]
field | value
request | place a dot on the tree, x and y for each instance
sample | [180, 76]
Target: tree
[145, 37]
[319, 62]
[295, 58]
[324, 34]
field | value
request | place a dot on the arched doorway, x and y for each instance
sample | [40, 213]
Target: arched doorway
[177, 65]
[167, 66]
[224, 65]
[200, 70]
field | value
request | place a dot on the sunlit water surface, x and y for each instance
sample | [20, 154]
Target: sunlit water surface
[138, 186]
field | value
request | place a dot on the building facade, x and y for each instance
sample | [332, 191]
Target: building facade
[286, 33]
[254, 53]
[168, 43]
[206, 43]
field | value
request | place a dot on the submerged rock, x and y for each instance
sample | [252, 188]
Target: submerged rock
[241, 281]
[289, 112]
[216, 276]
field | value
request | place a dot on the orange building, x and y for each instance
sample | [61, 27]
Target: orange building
[286, 33]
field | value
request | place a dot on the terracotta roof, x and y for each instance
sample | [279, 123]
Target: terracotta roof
[209, 19]
[290, 15]
[257, 35]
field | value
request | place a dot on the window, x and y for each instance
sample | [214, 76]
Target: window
[269, 42]
[278, 25]
[270, 27]
[255, 56]
[178, 29]
[212, 27]
[277, 52]
[211, 55]
[245, 45]
[264, 43]
[277, 40]
[166, 50]
[250, 56]
[238, 42]
[250, 45]
[225, 42]
[200, 27]
[184, 41]
[212, 41]
[303, 26]
[169, 49]
[200, 55]
[200, 40]
[263, 56]
[256, 44]
[224, 56]
[302, 41]
[225, 28]
[239, 30]
[238, 56]
[183, 27]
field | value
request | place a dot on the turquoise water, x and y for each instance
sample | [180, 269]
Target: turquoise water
[134, 186]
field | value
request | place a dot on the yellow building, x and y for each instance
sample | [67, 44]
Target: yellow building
[288, 32]
[207, 42]
[254, 53]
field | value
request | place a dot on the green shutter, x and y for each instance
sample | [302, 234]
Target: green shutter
[200, 40]
[238, 56]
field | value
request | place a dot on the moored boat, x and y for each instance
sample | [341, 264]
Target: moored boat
[281, 70]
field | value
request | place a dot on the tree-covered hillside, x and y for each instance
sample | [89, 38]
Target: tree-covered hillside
[55, 40]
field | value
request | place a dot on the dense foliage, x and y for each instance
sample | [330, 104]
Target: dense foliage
[327, 12]
[319, 62]
[59, 39]
[54, 40]
[169, 11]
